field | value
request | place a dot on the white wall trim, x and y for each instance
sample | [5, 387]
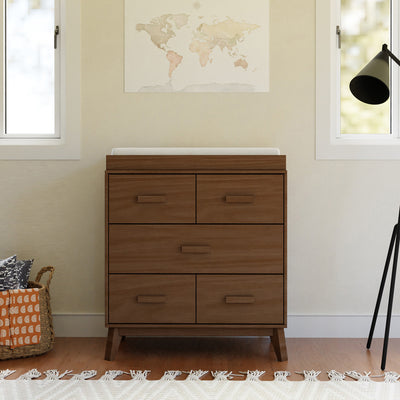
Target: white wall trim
[339, 326]
[299, 326]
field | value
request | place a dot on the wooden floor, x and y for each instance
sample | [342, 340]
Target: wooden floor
[232, 354]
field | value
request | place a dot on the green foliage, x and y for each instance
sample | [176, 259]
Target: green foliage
[365, 27]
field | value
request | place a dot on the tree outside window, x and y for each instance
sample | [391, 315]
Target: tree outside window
[365, 26]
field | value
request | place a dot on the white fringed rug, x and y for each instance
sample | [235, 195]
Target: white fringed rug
[78, 387]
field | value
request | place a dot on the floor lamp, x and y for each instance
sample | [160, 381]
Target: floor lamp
[371, 86]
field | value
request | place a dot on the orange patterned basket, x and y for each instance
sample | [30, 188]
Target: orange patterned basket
[46, 322]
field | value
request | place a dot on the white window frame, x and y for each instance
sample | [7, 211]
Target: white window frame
[65, 145]
[329, 143]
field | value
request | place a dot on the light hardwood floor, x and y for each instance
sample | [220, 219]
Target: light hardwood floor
[232, 354]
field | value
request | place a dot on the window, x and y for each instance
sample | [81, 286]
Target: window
[30, 57]
[40, 79]
[348, 34]
[365, 26]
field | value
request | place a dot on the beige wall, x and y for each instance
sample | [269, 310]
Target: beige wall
[340, 213]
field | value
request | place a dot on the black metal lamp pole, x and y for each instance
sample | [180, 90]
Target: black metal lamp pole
[371, 86]
[391, 55]
[394, 242]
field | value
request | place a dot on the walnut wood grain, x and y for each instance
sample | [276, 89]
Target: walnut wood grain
[195, 249]
[210, 328]
[285, 228]
[106, 245]
[197, 330]
[212, 291]
[172, 221]
[279, 342]
[159, 299]
[193, 171]
[240, 199]
[178, 292]
[259, 199]
[240, 299]
[151, 198]
[112, 345]
[196, 163]
[221, 249]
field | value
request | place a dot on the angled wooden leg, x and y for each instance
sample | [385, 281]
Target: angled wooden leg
[279, 342]
[113, 342]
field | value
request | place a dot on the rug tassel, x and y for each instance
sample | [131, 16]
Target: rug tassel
[310, 376]
[170, 375]
[4, 373]
[138, 375]
[358, 377]
[195, 375]
[84, 375]
[391, 377]
[223, 375]
[336, 376]
[32, 374]
[54, 374]
[111, 375]
[253, 375]
[281, 376]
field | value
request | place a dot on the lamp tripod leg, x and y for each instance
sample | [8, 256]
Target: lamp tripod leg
[390, 304]
[382, 287]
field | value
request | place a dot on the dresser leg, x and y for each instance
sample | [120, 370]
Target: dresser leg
[113, 342]
[279, 342]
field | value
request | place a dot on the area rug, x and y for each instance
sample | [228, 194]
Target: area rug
[69, 386]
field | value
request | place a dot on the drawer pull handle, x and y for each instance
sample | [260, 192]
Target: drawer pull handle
[152, 299]
[240, 299]
[195, 249]
[243, 199]
[153, 199]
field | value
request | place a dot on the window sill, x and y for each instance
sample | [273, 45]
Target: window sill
[40, 149]
[357, 149]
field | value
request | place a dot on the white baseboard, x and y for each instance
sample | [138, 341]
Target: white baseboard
[339, 326]
[299, 326]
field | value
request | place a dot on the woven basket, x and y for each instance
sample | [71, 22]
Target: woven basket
[46, 322]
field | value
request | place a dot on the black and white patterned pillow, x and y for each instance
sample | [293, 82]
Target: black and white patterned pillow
[9, 259]
[23, 268]
[14, 274]
[8, 274]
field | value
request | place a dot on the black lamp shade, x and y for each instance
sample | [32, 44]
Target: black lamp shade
[371, 85]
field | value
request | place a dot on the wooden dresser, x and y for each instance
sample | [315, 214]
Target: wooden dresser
[196, 246]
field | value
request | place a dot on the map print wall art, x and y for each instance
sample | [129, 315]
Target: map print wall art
[196, 45]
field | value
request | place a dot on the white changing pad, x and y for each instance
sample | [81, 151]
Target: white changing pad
[174, 151]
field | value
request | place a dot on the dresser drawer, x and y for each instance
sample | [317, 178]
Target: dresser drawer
[151, 198]
[151, 299]
[241, 299]
[240, 199]
[195, 249]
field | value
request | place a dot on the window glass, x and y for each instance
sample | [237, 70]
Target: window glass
[29, 67]
[365, 26]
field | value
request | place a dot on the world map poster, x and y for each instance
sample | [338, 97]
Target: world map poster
[196, 46]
